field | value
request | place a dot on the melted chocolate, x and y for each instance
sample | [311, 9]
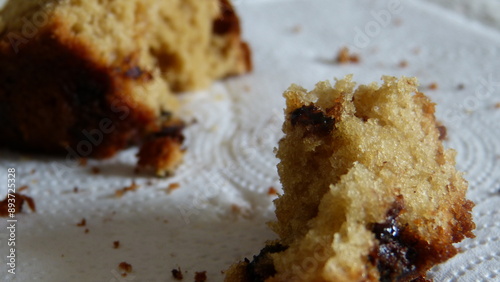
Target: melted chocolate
[394, 258]
[262, 266]
[172, 131]
[313, 118]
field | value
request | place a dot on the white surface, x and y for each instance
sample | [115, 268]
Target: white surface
[230, 157]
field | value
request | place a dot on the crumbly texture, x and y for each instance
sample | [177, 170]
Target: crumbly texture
[370, 194]
[88, 78]
[162, 151]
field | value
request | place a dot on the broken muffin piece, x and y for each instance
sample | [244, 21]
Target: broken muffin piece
[87, 78]
[370, 194]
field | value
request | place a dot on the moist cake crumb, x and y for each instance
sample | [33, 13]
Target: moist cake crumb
[116, 244]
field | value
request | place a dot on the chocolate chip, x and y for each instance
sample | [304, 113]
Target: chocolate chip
[313, 119]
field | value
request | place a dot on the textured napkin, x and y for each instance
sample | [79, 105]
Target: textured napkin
[213, 212]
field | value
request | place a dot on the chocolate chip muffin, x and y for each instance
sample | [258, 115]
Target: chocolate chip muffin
[369, 192]
[87, 78]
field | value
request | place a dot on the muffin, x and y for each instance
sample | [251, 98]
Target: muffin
[87, 78]
[369, 192]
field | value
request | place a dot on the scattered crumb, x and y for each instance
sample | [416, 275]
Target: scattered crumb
[62, 255]
[442, 131]
[416, 51]
[125, 267]
[235, 209]
[200, 276]
[297, 29]
[433, 86]
[177, 274]
[403, 64]
[33, 171]
[95, 170]
[75, 189]
[82, 223]
[86, 230]
[165, 221]
[124, 274]
[172, 186]
[120, 192]
[397, 21]
[82, 161]
[344, 57]
[116, 244]
[149, 183]
[20, 199]
[497, 105]
[461, 86]
[247, 88]
[272, 191]
[22, 188]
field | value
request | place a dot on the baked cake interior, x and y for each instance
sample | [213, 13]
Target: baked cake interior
[369, 192]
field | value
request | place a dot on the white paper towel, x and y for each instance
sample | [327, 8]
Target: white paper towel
[218, 214]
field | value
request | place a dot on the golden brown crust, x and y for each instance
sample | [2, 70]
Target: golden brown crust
[70, 95]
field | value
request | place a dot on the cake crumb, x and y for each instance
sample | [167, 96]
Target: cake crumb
[403, 64]
[443, 134]
[177, 274]
[86, 231]
[75, 189]
[172, 186]
[120, 192]
[461, 86]
[297, 29]
[497, 105]
[33, 171]
[433, 86]
[22, 188]
[95, 170]
[272, 191]
[116, 244]
[344, 57]
[20, 200]
[200, 276]
[82, 223]
[125, 267]
[235, 209]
